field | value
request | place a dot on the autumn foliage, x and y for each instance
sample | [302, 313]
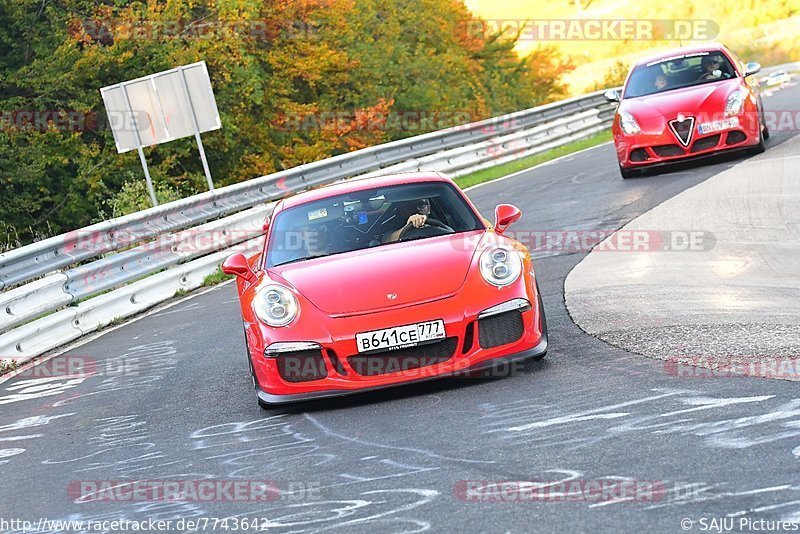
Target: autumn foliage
[275, 65]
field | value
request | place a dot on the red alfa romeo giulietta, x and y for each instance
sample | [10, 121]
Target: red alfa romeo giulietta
[685, 103]
[376, 282]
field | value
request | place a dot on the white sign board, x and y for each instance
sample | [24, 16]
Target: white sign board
[160, 107]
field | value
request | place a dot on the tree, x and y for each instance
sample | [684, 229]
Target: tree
[294, 82]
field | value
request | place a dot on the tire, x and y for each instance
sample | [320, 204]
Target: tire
[760, 147]
[627, 173]
[544, 323]
[263, 405]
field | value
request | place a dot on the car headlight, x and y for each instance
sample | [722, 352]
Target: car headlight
[500, 266]
[628, 123]
[275, 305]
[735, 103]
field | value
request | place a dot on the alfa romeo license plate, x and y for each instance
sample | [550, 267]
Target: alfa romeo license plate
[717, 126]
[400, 336]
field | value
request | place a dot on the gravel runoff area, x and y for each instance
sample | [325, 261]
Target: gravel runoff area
[710, 278]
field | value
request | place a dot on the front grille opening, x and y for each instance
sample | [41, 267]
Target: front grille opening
[336, 362]
[665, 151]
[302, 366]
[392, 361]
[469, 338]
[706, 143]
[639, 154]
[734, 137]
[500, 329]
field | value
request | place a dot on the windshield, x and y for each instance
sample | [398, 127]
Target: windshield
[369, 218]
[678, 72]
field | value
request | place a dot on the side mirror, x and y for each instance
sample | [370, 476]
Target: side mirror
[265, 226]
[612, 95]
[237, 265]
[752, 68]
[504, 216]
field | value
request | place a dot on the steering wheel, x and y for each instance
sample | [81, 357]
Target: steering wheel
[430, 224]
[430, 221]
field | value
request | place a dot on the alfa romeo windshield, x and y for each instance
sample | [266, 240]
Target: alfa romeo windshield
[679, 72]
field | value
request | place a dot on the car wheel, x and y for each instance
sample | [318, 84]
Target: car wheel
[263, 405]
[760, 147]
[627, 173]
[253, 378]
[544, 323]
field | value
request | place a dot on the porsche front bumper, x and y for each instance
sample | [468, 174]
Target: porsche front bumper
[538, 350]
[340, 369]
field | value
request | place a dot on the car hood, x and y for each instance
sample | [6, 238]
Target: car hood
[384, 277]
[654, 110]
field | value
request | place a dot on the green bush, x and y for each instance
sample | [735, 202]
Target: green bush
[134, 197]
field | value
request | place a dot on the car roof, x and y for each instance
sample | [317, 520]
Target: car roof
[359, 184]
[691, 49]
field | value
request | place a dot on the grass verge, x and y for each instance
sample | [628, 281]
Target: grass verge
[215, 278]
[492, 173]
[6, 366]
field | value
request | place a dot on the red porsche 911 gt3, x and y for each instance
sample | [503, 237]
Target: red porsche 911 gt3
[376, 282]
[688, 102]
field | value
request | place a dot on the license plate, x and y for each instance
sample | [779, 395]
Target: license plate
[716, 126]
[400, 336]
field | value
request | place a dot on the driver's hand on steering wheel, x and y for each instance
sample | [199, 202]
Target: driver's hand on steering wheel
[417, 220]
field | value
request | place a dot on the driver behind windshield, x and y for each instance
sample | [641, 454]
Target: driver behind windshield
[415, 213]
[314, 240]
[710, 67]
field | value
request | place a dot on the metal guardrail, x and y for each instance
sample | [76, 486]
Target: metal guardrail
[149, 255]
[31, 261]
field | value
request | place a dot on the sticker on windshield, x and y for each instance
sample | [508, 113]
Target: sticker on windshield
[674, 58]
[317, 214]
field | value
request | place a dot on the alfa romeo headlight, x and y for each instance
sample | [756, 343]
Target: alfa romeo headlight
[275, 305]
[735, 103]
[500, 266]
[628, 123]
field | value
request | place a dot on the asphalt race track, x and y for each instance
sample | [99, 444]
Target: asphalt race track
[182, 408]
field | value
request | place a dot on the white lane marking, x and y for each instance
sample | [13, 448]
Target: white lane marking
[20, 438]
[190, 307]
[5, 453]
[36, 388]
[32, 422]
[583, 415]
[704, 403]
[552, 161]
